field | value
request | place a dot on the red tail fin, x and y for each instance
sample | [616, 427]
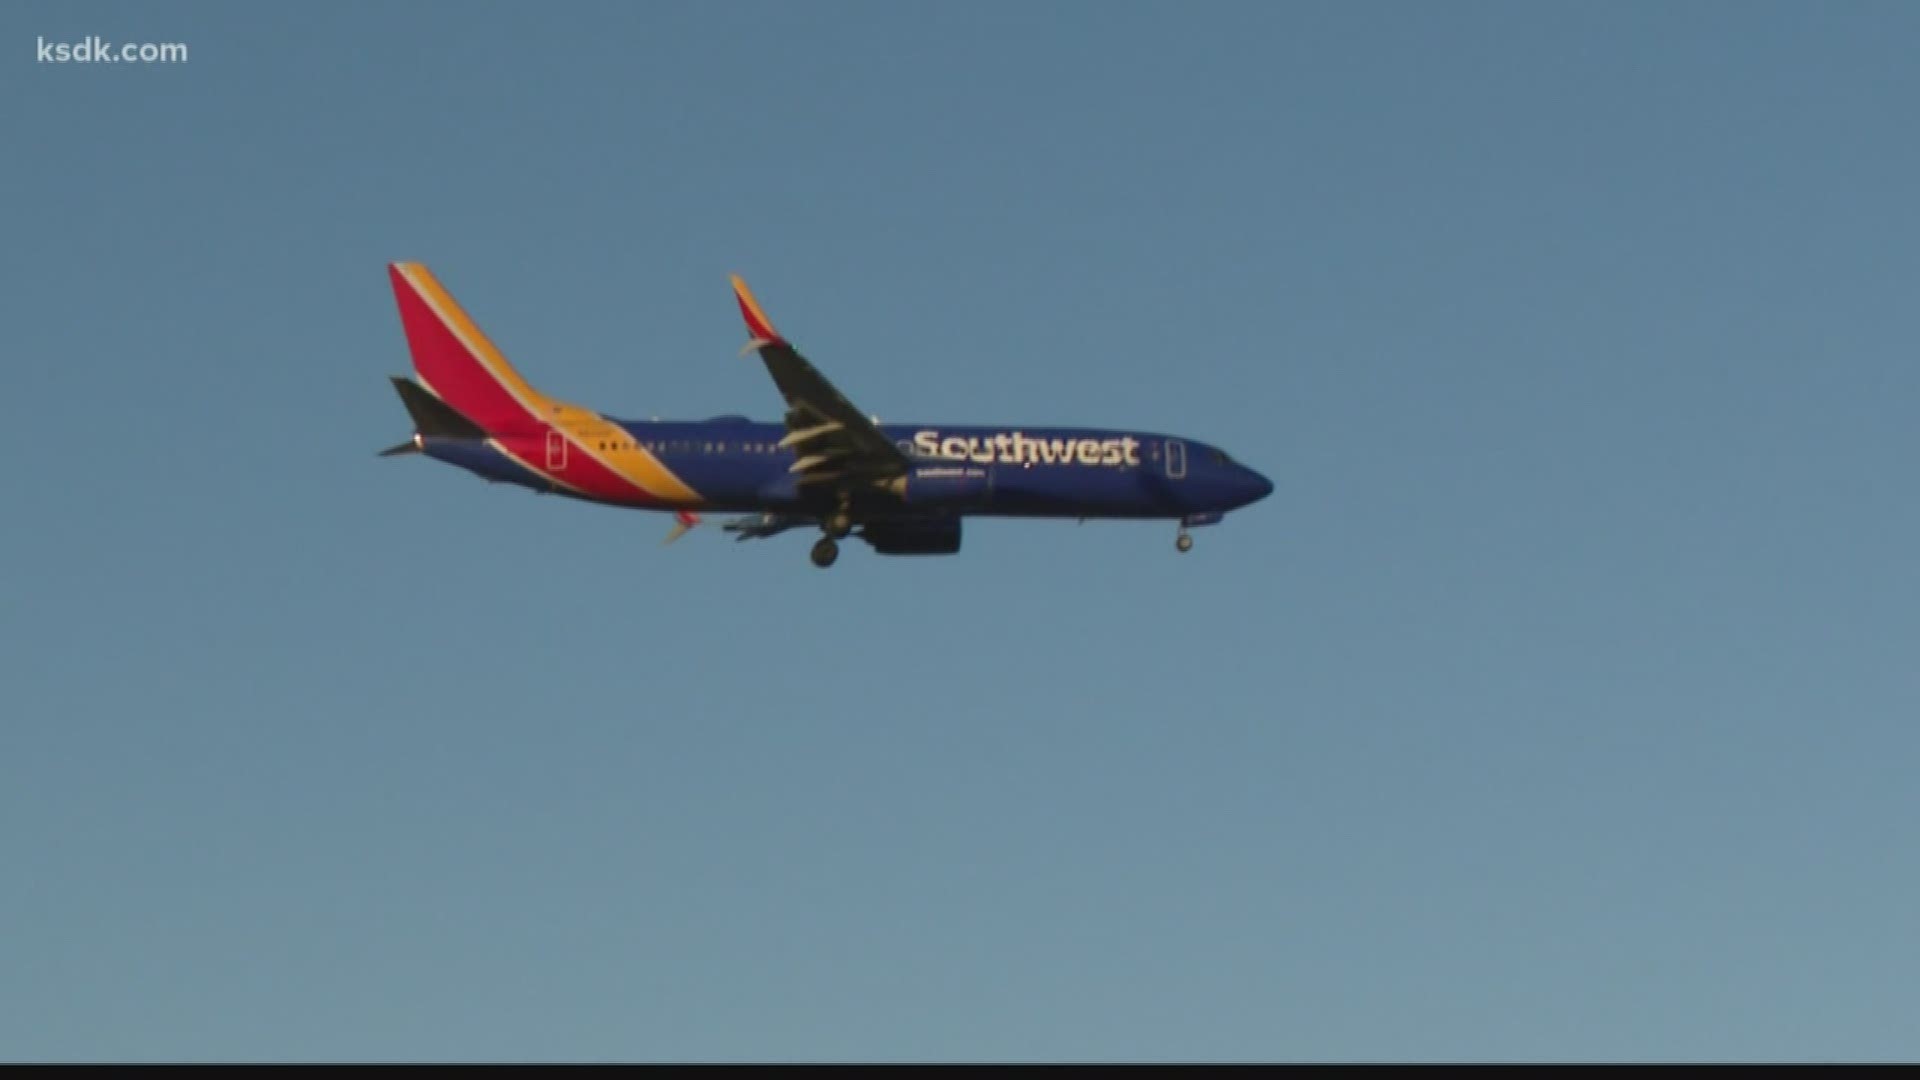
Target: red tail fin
[456, 361]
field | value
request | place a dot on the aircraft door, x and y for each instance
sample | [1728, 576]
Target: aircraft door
[1176, 459]
[556, 451]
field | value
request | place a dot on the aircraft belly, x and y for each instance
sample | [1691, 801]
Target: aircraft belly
[481, 459]
[728, 484]
[1071, 492]
[1017, 491]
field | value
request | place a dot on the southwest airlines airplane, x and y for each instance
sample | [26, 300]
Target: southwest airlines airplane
[904, 488]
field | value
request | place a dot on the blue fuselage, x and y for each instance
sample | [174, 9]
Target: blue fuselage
[736, 464]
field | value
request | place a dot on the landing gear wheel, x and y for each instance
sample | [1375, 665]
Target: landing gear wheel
[824, 552]
[1183, 542]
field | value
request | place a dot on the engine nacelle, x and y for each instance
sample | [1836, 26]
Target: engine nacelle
[945, 486]
[939, 536]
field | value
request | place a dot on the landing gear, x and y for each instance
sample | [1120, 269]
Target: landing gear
[825, 550]
[1184, 541]
[838, 524]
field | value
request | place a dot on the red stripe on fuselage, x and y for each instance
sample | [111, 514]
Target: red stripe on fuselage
[578, 470]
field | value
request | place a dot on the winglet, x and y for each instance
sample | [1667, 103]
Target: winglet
[757, 322]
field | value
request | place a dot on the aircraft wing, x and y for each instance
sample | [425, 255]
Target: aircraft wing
[836, 442]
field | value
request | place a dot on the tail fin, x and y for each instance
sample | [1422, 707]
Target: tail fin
[456, 361]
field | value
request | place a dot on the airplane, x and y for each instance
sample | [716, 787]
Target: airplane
[904, 489]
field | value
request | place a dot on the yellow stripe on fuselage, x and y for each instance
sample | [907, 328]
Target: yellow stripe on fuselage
[632, 461]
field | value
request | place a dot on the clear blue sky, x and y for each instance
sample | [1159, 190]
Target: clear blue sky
[1562, 702]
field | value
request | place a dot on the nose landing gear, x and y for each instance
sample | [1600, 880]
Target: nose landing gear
[1184, 541]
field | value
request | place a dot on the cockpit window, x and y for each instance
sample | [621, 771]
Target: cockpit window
[1220, 458]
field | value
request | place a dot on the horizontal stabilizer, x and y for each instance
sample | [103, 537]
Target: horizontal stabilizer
[432, 417]
[411, 446]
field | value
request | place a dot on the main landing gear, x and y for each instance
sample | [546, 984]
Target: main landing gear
[825, 550]
[1183, 542]
[837, 525]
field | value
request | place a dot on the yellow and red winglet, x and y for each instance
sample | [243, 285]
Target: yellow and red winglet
[757, 322]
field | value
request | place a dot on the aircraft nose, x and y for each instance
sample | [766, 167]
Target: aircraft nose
[1253, 487]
